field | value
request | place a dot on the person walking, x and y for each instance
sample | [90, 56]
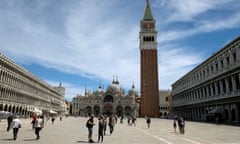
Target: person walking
[181, 125]
[34, 118]
[148, 122]
[111, 124]
[16, 124]
[104, 125]
[100, 128]
[9, 120]
[175, 125]
[39, 124]
[90, 124]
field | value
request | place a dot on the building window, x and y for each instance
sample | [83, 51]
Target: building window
[222, 63]
[216, 66]
[234, 57]
[228, 61]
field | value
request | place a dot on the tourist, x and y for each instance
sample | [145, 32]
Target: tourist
[174, 125]
[181, 125]
[9, 120]
[100, 128]
[148, 122]
[90, 124]
[111, 124]
[16, 124]
[121, 120]
[34, 118]
[39, 124]
[53, 119]
[104, 124]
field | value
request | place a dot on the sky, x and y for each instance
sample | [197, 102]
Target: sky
[87, 43]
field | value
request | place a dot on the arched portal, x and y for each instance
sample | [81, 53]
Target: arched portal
[88, 110]
[233, 111]
[108, 98]
[108, 109]
[96, 110]
[6, 108]
[1, 107]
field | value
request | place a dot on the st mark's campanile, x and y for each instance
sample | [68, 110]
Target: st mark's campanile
[149, 105]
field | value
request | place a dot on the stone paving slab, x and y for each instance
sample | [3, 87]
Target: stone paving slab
[73, 131]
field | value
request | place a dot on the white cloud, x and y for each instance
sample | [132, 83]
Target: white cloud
[189, 10]
[96, 43]
[205, 26]
[174, 62]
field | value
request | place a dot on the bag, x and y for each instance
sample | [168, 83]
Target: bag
[19, 126]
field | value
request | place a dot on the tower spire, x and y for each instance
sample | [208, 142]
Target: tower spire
[148, 12]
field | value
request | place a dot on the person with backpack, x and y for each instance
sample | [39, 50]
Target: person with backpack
[90, 123]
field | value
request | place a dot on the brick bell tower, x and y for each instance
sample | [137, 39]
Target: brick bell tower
[149, 65]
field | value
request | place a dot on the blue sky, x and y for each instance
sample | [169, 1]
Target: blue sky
[82, 43]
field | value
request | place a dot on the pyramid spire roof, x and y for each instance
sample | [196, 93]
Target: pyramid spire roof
[148, 12]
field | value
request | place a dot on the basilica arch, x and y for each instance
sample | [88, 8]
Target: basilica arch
[108, 98]
[108, 109]
[96, 110]
[88, 110]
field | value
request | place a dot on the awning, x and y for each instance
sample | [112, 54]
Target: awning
[4, 112]
[216, 110]
[52, 112]
[38, 111]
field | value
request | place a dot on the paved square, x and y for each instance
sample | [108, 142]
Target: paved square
[72, 131]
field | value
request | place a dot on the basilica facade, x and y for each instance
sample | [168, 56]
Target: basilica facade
[113, 101]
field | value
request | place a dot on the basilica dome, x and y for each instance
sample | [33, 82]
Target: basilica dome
[132, 91]
[100, 90]
[114, 87]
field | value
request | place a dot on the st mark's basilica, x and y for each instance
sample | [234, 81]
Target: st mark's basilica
[112, 101]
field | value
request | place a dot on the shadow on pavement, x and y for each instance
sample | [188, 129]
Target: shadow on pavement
[29, 140]
[82, 141]
[7, 139]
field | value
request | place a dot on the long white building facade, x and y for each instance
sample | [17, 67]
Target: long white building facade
[212, 89]
[23, 93]
[113, 101]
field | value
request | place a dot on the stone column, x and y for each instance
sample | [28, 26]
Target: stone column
[216, 89]
[233, 84]
[221, 87]
[211, 90]
[207, 95]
